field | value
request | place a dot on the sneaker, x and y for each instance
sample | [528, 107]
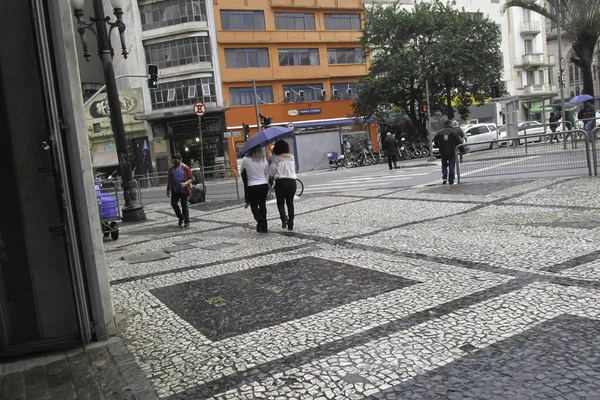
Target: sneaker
[180, 221]
[444, 182]
[290, 225]
[187, 224]
[284, 224]
[451, 182]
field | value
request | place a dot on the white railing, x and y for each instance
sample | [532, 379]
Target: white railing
[536, 58]
[530, 89]
[531, 26]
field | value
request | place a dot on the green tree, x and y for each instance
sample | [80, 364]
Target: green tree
[580, 21]
[458, 56]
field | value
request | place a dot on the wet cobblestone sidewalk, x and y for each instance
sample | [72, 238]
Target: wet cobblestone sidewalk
[479, 291]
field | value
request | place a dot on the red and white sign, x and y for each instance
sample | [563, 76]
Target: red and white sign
[199, 108]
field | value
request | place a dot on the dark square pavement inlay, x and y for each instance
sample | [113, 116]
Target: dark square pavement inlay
[556, 358]
[242, 302]
[473, 189]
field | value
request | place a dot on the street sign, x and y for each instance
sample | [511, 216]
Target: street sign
[199, 108]
[230, 134]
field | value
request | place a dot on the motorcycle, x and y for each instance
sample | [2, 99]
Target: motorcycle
[336, 160]
[403, 152]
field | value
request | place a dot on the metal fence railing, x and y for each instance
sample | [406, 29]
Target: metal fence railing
[527, 154]
[595, 137]
[220, 183]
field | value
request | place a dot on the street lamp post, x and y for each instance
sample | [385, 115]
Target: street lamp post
[133, 209]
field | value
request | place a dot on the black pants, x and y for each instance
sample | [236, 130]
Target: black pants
[257, 196]
[285, 189]
[448, 164]
[391, 159]
[175, 197]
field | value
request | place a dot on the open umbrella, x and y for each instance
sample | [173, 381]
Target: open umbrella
[581, 98]
[265, 137]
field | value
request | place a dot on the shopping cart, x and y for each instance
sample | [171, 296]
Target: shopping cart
[108, 207]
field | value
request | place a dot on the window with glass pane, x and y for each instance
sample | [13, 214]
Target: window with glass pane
[541, 73]
[295, 57]
[530, 78]
[345, 56]
[551, 76]
[571, 73]
[294, 21]
[245, 95]
[179, 52]
[312, 92]
[247, 58]
[242, 20]
[160, 95]
[528, 46]
[159, 14]
[342, 22]
[339, 91]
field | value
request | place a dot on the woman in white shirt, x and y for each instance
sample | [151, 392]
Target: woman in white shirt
[283, 170]
[257, 170]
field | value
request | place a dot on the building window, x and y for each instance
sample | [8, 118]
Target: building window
[551, 76]
[496, 1]
[346, 90]
[179, 52]
[308, 92]
[526, 15]
[243, 96]
[528, 46]
[294, 22]
[294, 57]
[247, 58]
[477, 16]
[342, 22]
[159, 14]
[541, 73]
[345, 56]
[530, 78]
[182, 93]
[571, 73]
[520, 78]
[577, 73]
[240, 20]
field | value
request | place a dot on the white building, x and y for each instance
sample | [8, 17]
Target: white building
[179, 37]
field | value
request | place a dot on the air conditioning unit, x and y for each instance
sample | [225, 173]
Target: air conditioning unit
[349, 92]
[171, 95]
[287, 94]
[205, 90]
[301, 94]
[334, 93]
[191, 92]
[323, 94]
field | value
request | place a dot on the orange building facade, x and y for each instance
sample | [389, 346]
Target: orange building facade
[305, 57]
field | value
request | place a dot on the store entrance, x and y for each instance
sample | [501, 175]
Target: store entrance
[190, 150]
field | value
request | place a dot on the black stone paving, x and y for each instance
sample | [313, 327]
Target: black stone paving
[242, 302]
[104, 372]
[557, 358]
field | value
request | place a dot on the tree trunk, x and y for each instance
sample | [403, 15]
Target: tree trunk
[588, 78]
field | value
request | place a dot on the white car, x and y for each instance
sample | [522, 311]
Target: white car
[478, 134]
[524, 128]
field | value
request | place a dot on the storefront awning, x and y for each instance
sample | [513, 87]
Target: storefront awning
[105, 159]
[333, 122]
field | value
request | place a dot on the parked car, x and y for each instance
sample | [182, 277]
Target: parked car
[524, 128]
[477, 134]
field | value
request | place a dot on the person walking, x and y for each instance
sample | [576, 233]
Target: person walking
[588, 115]
[179, 188]
[256, 169]
[553, 126]
[447, 139]
[283, 170]
[390, 147]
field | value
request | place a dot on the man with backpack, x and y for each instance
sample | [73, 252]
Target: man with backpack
[447, 139]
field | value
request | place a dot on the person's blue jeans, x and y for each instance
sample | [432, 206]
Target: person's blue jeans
[448, 164]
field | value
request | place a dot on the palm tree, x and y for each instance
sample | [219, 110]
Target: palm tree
[580, 20]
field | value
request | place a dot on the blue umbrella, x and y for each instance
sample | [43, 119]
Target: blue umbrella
[265, 137]
[581, 98]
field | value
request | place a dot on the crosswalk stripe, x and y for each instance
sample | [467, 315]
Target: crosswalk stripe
[369, 178]
[331, 185]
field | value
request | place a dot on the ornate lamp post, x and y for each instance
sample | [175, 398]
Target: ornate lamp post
[133, 209]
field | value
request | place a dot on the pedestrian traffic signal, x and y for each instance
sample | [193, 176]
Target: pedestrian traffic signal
[246, 129]
[153, 76]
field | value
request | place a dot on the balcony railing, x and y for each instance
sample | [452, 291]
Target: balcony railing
[531, 27]
[533, 89]
[534, 60]
[324, 4]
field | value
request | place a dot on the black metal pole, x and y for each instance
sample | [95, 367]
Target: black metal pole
[133, 209]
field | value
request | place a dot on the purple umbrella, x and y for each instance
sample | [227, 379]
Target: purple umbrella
[581, 98]
[265, 137]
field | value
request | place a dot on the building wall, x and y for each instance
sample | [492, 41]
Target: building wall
[277, 76]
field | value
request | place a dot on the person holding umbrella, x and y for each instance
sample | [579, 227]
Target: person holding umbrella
[255, 170]
[283, 170]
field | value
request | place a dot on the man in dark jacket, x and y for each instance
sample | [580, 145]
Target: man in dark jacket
[446, 140]
[588, 115]
[553, 126]
[179, 189]
[390, 147]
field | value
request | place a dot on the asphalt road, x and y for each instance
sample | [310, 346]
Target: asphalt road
[537, 161]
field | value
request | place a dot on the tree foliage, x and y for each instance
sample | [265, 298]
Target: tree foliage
[580, 21]
[458, 56]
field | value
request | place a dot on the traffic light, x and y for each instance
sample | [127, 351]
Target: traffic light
[563, 79]
[246, 129]
[152, 76]
[265, 121]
